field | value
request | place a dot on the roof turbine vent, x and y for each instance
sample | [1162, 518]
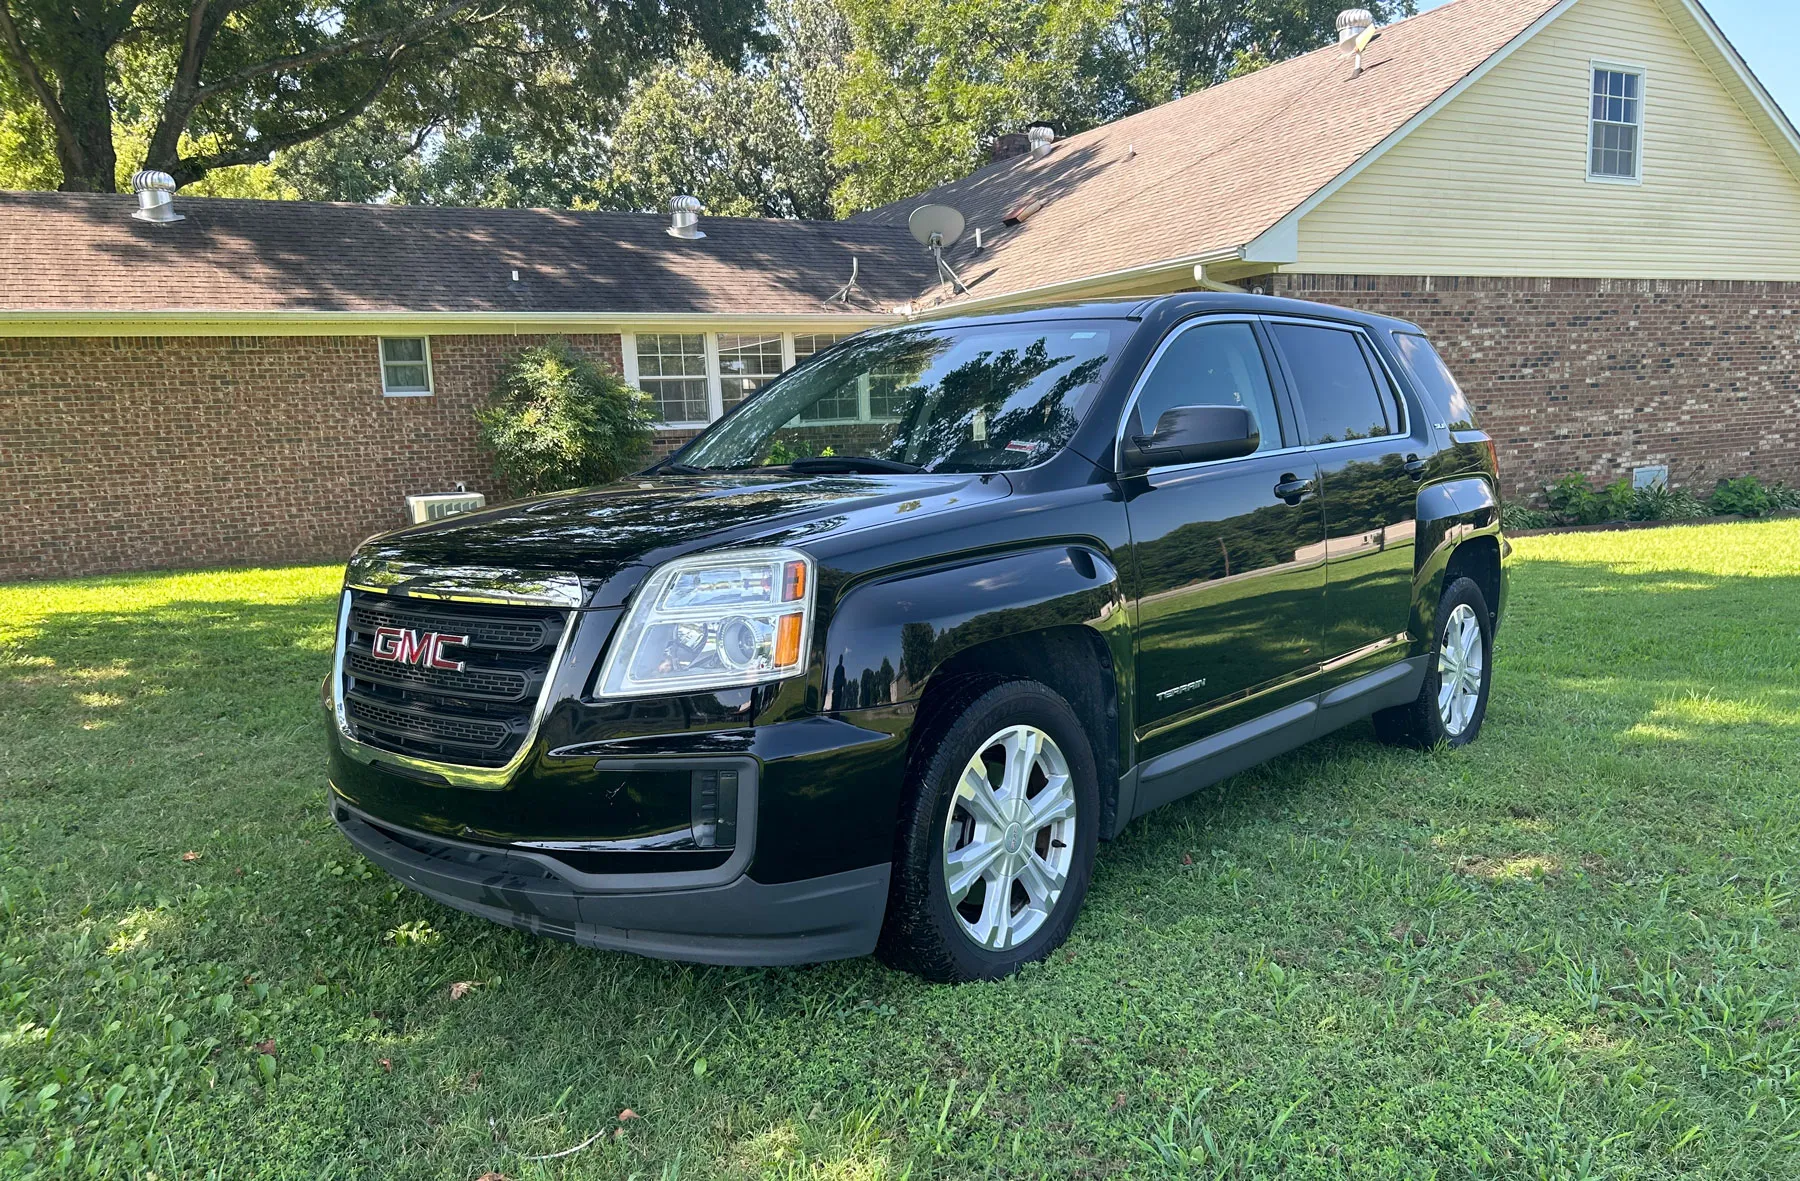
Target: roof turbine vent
[684, 217]
[156, 196]
[1040, 136]
[1353, 22]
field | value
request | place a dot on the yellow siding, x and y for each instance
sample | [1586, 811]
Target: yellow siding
[1496, 182]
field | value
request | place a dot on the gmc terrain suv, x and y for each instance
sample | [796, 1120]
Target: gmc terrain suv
[877, 661]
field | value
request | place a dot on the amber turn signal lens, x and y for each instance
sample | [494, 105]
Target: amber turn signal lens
[787, 641]
[793, 586]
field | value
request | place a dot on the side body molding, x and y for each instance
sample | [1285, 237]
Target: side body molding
[887, 637]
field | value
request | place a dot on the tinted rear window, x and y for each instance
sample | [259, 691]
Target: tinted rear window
[1341, 397]
[1429, 370]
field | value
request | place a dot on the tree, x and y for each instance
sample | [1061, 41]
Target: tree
[747, 143]
[219, 83]
[557, 420]
[931, 83]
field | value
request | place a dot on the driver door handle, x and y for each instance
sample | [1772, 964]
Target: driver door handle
[1292, 489]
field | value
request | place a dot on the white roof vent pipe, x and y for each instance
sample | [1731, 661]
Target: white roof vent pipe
[684, 217]
[1353, 22]
[156, 197]
[1040, 137]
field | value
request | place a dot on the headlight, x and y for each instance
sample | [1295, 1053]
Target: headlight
[716, 621]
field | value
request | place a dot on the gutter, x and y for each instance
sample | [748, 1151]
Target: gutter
[303, 322]
[1069, 288]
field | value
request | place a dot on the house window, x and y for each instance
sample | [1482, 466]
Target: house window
[1616, 124]
[405, 366]
[747, 362]
[808, 343]
[672, 370]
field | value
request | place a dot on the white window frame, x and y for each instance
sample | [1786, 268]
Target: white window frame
[382, 362]
[1587, 161]
[715, 380]
[628, 361]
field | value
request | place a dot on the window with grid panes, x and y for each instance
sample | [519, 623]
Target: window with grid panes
[747, 362]
[1617, 114]
[672, 370]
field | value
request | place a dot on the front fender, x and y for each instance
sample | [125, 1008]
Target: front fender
[888, 636]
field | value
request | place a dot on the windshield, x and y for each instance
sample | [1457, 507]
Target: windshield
[938, 399]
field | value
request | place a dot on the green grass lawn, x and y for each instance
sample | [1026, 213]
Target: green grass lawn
[1571, 950]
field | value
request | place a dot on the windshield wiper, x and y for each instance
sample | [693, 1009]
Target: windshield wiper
[683, 469]
[851, 463]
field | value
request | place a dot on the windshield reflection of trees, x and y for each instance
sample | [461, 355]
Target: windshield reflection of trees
[962, 418]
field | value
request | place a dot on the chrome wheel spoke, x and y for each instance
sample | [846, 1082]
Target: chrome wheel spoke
[992, 834]
[978, 795]
[1056, 802]
[1043, 882]
[1460, 665]
[965, 866]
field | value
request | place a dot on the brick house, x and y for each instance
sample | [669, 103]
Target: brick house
[1591, 204]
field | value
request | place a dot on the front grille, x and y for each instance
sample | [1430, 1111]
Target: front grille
[478, 716]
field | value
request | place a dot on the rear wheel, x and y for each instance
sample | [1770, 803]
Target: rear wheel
[1453, 701]
[997, 839]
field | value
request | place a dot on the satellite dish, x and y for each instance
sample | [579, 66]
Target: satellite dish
[937, 227]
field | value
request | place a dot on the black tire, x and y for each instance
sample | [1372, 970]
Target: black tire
[1419, 723]
[922, 933]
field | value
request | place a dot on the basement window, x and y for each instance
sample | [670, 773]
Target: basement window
[405, 366]
[1616, 124]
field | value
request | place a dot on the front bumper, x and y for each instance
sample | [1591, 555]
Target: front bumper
[742, 922]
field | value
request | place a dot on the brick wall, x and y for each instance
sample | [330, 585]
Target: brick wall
[1599, 375]
[145, 453]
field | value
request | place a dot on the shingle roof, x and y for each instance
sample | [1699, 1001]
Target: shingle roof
[1210, 172]
[71, 251]
[1203, 175]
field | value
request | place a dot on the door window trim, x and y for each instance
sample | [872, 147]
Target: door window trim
[1284, 391]
[1395, 388]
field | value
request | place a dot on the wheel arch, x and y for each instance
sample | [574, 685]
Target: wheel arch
[1457, 535]
[1052, 614]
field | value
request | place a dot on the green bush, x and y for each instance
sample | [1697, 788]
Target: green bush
[1743, 497]
[557, 420]
[1659, 502]
[1573, 501]
[1515, 516]
[1786, 498]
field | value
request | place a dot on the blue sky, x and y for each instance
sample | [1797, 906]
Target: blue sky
[1768, 39]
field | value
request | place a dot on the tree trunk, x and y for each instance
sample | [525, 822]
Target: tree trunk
[88, 161]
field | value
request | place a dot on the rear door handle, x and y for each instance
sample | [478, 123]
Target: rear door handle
[1415, 467]
[1293, 489]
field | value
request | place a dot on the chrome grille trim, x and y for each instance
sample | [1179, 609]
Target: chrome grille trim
[502, 588]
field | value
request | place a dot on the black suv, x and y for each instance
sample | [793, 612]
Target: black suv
[877, 661]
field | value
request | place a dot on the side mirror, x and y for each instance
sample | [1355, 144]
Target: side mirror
[1193, 434]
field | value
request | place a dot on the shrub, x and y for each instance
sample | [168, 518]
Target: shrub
[557, 420]
[1744, 497]
[1573, 501]
[1659, 502]
[1514, 516]
[1786, 499]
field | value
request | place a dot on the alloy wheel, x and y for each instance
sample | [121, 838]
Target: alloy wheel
[1460, 663]
[1009, 838]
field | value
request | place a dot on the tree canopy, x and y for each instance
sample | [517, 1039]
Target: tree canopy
[209, 84]
[779, 108]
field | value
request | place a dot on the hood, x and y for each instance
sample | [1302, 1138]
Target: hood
[611, 535]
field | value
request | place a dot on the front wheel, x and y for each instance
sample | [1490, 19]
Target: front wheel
[997, 838]
[1453, 700]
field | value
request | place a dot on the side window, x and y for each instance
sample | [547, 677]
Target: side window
[1212, 365]
[1429, 370]
[1340, 396]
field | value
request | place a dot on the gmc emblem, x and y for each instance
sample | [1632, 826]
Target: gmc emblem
[403, 645]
